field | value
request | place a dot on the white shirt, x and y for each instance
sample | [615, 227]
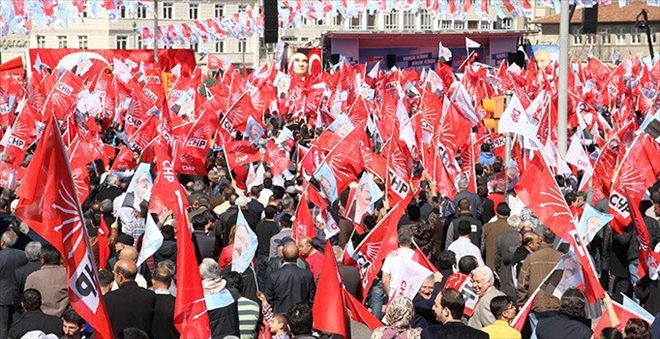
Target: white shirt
[393, 262]
[139, 280]
[462, 247]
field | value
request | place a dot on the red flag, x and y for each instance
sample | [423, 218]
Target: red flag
[622, 313]
[192, 156]
[241, 152]
[538, 190]
[637, 171]
[276, 159]
[63, 95]
[378, 244]
[190, 315]
[329, 310]
[399, 167]
[49, 205]
[359, 312]
[303, 225]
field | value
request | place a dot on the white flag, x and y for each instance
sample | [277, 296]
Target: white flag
[515, 120]
[469, 43]
[151, 242]
[407, 278]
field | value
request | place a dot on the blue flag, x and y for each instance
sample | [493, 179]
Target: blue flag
[245, 245]
[591, 222]
[151, 242]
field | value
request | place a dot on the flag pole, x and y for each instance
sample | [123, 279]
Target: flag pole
[156, 32]
[563, 79]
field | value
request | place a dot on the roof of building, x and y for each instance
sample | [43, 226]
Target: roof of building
[611, 13]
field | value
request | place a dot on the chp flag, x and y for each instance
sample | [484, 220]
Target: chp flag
[49, 204]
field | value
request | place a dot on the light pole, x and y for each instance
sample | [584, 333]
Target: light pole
[156, 32]
[564, 23]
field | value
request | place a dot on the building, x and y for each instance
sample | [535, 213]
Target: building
[101, 33]
[617, 30]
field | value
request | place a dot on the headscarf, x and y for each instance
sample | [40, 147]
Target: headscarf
[400, 312]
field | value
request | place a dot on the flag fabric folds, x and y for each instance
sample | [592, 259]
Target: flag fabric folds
[329, 309]
[49, 205]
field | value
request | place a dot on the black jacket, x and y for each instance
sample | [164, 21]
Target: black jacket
[648, 292]
[453, 330]
[10, 260]
[22, 273]
[562, 327]
[224, 320]
[130, 306]
[424, 315]
[36, 320]
[205, 246]
[288, 286]
[163, 324]
[167, 251]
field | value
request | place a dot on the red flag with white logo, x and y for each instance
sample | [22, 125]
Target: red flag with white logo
[329, 309]
[240, 152]
[49, 205]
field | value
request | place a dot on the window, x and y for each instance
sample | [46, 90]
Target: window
[620, 36]
[577, 36]
[122, 42]
[122, 11]
[591, 39]
[409, 20]
[425, 22]
[605, 38]
[141, 12]
[392, 20]
[242, 8]
[195, 47]
[82, 41]
[242, 46]
[459, 25]
[371, 21]
[445, 24]
[355, 22]
[653, 35]
[84, 11]
[219, 10]
[485, 25]
[220, 47]
[138, 42]
[167, 10]
[41, 41]
[337, 20]
[506, 23]
[473, 24]
[61, 41]
[635, 37]
[193, 11]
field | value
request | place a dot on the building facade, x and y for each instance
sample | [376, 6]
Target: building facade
[101, 33]
[618, 32]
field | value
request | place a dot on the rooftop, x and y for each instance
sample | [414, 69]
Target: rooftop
[611, 13]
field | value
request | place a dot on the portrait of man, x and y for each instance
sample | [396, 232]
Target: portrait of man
[591, 222]
[341, 126]
[326, 183]
[282, 82]
[366, 195]
[139, 189]
[253, 131]
[299, 64]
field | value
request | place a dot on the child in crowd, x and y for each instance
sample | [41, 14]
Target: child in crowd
[277, 322]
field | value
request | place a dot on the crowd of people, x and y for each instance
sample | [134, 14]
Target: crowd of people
[488, 252]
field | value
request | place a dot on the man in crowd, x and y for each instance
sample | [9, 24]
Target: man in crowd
[476, 229]
[72, 325]
[393, 260]
[448, 308]
[33, 253]
[493, 230]
[483, 282]
[51, 282]
[534, 269]
[130, 305]
[162, 325]
[33, 318]
[313, 256]
[504, 312]
[248, 310]
[266, 229]
[463, 246]
[10, 260]
[290, 284]
[471, 197]
[285, 231]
